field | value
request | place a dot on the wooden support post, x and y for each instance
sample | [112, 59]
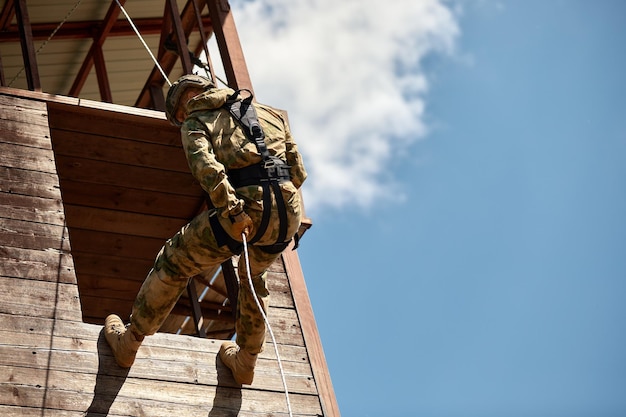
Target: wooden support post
[28, 49]
[232, 285]
[158, 100]
[2, 80]
[229, 45]
[83, 72]
[195, 308]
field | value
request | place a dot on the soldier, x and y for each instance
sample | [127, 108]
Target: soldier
[246, 198]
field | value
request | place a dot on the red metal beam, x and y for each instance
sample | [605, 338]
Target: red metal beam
[107, 24]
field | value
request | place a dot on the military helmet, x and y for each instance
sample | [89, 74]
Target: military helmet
[176, 92]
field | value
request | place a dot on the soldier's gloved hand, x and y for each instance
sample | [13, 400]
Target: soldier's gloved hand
[242, 223]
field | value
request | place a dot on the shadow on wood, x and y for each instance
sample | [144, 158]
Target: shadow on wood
[107, 385]
[227, 401]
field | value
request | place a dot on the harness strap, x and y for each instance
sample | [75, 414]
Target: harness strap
[269, 173]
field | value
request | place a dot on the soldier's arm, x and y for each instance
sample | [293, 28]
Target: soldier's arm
[297, 171]
[207, 169]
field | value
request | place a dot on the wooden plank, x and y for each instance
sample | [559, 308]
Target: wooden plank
[28, 235]
[20, 133]
[122, 151]
[115, 244]
[44, 265]
[39, 299]
[25, 157]
[115, 121]
[33, 209]
[164, 400]
[98, 172]
[280, 293]
[167, 366]
[21, 110]
[285, 326]
[43, 328]
[114, 269]
[131, 200]
[111, 221]
[37, 96]
[32, 183]
[78, 347]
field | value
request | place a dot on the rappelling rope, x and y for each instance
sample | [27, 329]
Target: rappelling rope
[43, 45]
[144, 43]
[267, 323]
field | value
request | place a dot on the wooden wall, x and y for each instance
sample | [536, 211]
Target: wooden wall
[54, 364]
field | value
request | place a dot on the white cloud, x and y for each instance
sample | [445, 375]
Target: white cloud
[349, 74]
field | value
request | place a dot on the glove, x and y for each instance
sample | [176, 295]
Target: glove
[242, 223]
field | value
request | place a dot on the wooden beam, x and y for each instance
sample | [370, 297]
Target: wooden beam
[158, 99]
[167, 60]
[87, 29]
[229, 45]
[166, 28]
[204, 40]
[83, 72]
[180, 38]
[232, 286]
[8, 11]
[195, 307]
[28, 48]
[2, 79]
[310, 333]
[101, 74]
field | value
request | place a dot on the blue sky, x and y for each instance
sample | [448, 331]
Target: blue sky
[468, 194]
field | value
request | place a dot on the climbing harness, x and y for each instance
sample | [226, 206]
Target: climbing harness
[267, 323]
[269, 173]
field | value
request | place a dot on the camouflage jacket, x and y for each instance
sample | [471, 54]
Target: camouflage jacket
[214, 143]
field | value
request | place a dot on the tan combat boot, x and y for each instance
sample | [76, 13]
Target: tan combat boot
[124, 341]
[240, 362]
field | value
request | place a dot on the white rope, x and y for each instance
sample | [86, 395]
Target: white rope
[144, 43]
[267, 323]
[43, 45]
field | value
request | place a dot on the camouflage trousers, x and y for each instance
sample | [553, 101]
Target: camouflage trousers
[194, 249]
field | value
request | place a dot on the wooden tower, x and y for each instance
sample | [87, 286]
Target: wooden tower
[92, 181]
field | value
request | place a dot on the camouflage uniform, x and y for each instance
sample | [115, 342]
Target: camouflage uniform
[214, 143]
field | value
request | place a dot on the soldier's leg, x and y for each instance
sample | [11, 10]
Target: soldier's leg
[249, 324]
[192, 250]
[241, 356]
